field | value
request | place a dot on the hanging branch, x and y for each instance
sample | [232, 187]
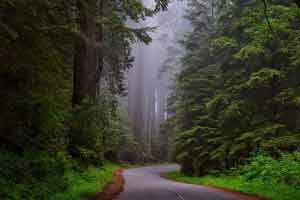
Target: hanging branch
[267, 17]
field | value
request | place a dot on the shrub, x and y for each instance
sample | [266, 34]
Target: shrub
[32, 175]
[285, 169]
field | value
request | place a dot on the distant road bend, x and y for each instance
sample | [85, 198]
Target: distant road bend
[147, 184]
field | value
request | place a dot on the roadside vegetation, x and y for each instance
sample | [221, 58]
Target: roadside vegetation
[87, 183]
[237, 94]
[263, 176]
[42, 177]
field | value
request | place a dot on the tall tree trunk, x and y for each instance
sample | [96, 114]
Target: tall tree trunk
[100, 40]
[86, 57]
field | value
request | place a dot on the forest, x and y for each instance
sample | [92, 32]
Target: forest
[235, 104]
[63, 63]
[231, 118]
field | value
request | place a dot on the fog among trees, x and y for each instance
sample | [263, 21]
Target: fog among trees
[91, 87]
[148, 83]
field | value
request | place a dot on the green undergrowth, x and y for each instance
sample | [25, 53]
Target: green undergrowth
[263, 176]
[238, 183]
[39, 176]
[86, 183]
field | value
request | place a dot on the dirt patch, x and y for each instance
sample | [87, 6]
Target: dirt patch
[113, 189]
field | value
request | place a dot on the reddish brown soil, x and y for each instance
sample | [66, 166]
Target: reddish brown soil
[112, 189]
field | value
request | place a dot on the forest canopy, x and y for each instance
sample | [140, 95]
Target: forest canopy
[63, 65]
[238, 90]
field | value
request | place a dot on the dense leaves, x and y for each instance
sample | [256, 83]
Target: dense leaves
[62, 71]
[237, 92]
[262, 176]
[284, 170]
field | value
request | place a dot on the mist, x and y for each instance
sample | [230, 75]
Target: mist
[148, 85]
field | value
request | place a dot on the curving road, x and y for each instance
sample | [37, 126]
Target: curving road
[146, 184]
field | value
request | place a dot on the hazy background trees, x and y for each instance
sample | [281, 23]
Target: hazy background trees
[149, 83]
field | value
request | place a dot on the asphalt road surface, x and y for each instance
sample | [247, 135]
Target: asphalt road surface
[147, 184]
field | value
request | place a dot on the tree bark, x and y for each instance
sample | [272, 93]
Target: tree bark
[100, 40]
[86, 57]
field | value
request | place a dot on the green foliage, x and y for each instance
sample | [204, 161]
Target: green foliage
[33, 175]
[35, 75]
[43, 176]
[42, 135]
[237, 91]
[86, 133]
[238, 183]
[86, 183]
[284, 170]
[264, 176]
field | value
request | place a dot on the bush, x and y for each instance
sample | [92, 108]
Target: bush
[87, 132]
[285, 169]
[32, 175]
[85, 183]
[40, 176]
[95, 132]
[276, 179]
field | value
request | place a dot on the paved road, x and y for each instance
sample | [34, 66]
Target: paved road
[146, 184]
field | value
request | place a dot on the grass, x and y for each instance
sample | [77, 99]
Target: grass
[270, 190]
[87, 183]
